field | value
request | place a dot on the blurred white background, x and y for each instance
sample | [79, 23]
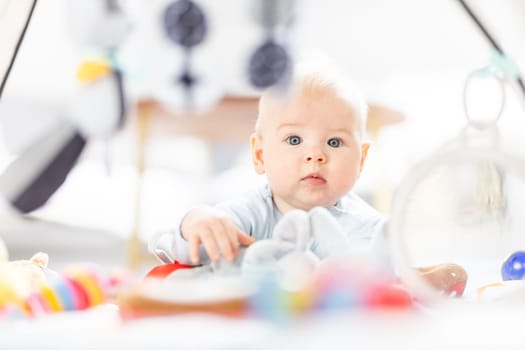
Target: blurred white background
[410, 55]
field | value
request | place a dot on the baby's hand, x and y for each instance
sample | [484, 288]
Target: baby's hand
[215, 231]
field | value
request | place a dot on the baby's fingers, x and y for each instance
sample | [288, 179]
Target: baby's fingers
[210, 245]
[244, 239]
[194, 243]
[225, 244]
[232, 234]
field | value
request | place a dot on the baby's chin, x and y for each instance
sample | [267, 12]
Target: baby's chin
[309, 205]
[305, 203]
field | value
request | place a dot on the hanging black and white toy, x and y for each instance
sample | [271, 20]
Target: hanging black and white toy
[185, 24]
[97, 108]
[270, 64]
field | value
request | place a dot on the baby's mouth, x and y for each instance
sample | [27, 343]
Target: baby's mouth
[314, 179]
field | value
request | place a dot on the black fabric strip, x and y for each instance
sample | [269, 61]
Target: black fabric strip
[53, 176]
[121, 95]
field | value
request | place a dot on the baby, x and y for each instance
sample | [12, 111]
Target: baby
[311, 146]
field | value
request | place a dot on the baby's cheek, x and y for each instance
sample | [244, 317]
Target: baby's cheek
[344, 184]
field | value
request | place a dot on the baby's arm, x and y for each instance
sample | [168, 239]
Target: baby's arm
[215, 231]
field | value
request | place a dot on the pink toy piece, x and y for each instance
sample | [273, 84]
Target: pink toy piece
[82, 298]
[389, 296]
[36, 305]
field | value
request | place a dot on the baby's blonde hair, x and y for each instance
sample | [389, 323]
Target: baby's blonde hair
[315, 83]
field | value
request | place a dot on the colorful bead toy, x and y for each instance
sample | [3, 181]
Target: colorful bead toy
[513, 267]
[78, 287]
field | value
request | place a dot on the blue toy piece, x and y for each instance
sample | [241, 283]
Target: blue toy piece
[514, 266]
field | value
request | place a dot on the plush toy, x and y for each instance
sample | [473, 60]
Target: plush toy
[289, 252]
[295, 280]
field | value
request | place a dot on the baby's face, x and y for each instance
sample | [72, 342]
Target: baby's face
[311, 150]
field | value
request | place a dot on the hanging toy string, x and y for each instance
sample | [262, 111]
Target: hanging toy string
[3, 82]
[499, 58]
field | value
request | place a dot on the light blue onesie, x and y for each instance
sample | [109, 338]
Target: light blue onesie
[256, 215]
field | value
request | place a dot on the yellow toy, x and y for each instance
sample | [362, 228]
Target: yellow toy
[18, 280]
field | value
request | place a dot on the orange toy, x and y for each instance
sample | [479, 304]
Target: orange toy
[448, 278]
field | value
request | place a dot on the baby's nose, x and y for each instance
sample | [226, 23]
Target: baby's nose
[318, 157]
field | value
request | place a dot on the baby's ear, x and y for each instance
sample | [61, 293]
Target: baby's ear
[257, 153]
[365, 146]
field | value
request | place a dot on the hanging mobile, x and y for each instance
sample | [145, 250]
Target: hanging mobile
[185, 24]
[456, 207]
[461, 206]
[270, 64]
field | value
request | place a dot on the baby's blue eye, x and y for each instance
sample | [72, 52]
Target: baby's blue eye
[334, 143]
[293, 140]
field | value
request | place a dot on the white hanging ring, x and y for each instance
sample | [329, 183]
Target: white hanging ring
[484, 72]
